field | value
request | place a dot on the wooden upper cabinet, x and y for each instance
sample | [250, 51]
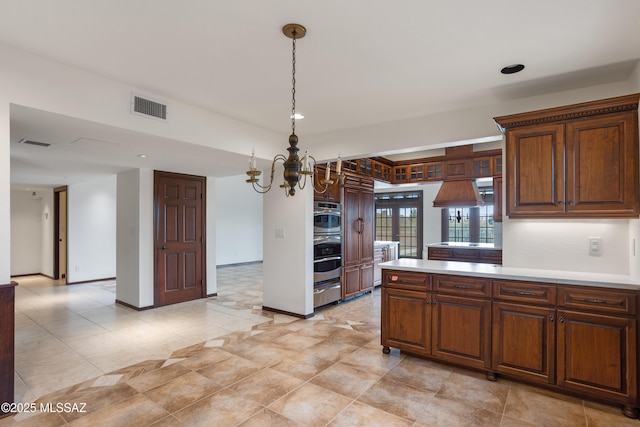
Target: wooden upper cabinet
[602, 165]
[575, 161]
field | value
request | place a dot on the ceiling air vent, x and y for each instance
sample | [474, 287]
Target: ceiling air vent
[148, 108]
[39, 144]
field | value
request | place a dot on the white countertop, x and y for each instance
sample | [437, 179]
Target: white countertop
[500, 272]
[384, 243]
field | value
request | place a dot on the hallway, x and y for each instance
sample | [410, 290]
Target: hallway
[222, 361]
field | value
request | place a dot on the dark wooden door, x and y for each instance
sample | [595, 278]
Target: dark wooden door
[406, 320]
[179, 238]
[597, 355]
[524, 341]
[601, 158]
[461, 331]
[535, 170]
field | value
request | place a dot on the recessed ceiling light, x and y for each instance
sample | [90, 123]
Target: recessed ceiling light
[142, 156]
[297, 116]
[511, 69]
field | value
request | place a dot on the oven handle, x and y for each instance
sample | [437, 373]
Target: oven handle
[331, 258]
[319, 291]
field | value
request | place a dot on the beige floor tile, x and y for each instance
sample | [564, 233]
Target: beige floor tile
[268, 418]
[231, 370]
[182, 391]
[397, 399]
[266, 385]
[346, 379]
[444, 412]
[137, 410]
[543, 408]
[360, 415]
[225, 408]
[311, 405]
[475, 390]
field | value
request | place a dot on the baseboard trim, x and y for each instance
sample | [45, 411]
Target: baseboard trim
[133, 306]
[288, 313]
[238, 264]
[91, 281]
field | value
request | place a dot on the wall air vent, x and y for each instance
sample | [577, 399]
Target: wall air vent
[39, 144]
[148, 108]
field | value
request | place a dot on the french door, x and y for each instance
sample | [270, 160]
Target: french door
[399, 218]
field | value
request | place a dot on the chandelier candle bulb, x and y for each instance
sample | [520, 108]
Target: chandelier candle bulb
[338, 166]
[328, 172]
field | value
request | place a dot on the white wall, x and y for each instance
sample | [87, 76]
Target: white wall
[26, 233]
[238, 221]
[5, 193]
[92, 230]
[32, 229]
[563, 245]
[288, 261]
[134, 238]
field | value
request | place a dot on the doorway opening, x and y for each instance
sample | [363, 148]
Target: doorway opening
[60, 227]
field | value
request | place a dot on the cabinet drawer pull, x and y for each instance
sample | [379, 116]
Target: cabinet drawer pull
[596, 301]
[524, 293]
[551, 319]
[562, 320]
[560, 202]
[461, 286]
[428, 301]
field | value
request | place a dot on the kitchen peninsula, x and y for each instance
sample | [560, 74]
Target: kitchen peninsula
[571, 332]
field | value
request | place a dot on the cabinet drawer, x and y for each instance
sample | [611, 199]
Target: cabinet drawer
[526, 292]
[462, 285]
[614, 301]
[406, 280]
[465, 254]
[491, 256]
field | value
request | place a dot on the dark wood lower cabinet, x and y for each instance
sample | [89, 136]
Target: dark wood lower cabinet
[7, 333]
[596, 356]
[406, 325]
[461, 329]
[524, 342]
[580, 340]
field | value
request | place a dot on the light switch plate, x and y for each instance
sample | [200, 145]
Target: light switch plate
[595, 246]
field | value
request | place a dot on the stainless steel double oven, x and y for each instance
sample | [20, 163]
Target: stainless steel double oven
[327, 253]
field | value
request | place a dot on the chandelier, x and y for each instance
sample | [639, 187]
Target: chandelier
[296, 170]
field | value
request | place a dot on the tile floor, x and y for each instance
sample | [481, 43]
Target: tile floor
[222, 361]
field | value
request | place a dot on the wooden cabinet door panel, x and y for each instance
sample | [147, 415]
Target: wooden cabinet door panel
[597, 355]
[350, 281]
[406, 320]
[366, 277]
[351, 227]
[535, 168]
[461, 330]
[524, 341]
[601, 159]
[367, 235]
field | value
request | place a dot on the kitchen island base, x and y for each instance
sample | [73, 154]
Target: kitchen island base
[572, 338]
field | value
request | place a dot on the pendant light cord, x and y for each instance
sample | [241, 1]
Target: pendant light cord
[293, 89]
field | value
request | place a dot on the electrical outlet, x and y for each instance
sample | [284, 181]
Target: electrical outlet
[279, 233]
[595, 246]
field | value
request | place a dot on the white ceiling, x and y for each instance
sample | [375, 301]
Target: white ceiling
[362, 62]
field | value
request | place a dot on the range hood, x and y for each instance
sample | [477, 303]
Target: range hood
[458, 194]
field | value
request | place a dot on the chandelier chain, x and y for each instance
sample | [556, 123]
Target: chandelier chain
[293, 88]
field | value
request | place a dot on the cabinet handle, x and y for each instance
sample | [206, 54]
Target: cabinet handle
[461, 286]
[560, 202]
[551, 319]
[570, 202]
[562, 320]
[524, 293]
[428, 301]
[596, 301]
[435, 302]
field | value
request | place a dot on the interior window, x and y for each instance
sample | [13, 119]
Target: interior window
[469, 224]
[399, 218]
